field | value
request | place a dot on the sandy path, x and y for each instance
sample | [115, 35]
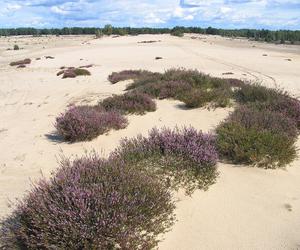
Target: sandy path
[248, 208]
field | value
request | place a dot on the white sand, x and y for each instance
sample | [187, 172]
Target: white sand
[248, 208]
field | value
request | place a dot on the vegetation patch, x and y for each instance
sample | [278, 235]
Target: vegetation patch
[183, 157]
[87, 122]
[190, 86]
[72, 72]
[126, 75]
[21, 62]
[262, 148]
[267, 119]
[91, 203]
[129, 103]
[262, 131]
[123, 202]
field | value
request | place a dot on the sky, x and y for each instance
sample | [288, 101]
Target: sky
[268, 14]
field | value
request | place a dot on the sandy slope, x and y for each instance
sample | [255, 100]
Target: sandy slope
[248, 208]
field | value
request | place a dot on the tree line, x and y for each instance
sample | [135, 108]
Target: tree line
[279, 36]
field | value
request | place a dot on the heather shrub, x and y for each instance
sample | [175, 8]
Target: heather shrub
[263, 98]
[190, 86]
[184, 158]
[129, 103]
[196, 98]
[85, 123]
[91, 203]
[81, 72]
[266, 119]
[262, 148]
[21, 62]
[72, 72]
[164, 89]
[126, 75]
[67, 74]
[256, 93]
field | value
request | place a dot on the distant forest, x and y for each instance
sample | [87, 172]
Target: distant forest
[279, 36]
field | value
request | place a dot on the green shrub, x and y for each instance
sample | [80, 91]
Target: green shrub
[251, 146]
[16, 47]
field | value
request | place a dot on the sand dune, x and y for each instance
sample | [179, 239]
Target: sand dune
[248, 208]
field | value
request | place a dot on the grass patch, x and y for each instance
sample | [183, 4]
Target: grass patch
[87, 122]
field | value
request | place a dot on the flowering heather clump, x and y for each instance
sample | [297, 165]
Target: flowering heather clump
[129, 103]
[266, 119]
[190, 86]
[85, 123]
[288, 106]
[91, 203]
[127, 75]
[263, 131]
[262, 148]
[185, 157]
[249, 93]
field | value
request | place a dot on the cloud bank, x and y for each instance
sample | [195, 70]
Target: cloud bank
[270, 14]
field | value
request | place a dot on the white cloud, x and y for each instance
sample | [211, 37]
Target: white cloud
[59, 10]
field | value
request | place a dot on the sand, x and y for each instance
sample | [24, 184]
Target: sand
[248, 208]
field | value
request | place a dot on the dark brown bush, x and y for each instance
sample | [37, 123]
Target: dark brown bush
[25, 61]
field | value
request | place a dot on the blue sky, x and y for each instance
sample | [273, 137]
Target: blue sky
[271, 14]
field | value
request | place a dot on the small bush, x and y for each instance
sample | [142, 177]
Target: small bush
[91, 203]
[196, 98]
[85, 123]
[71, 72]
[178, 33]
[129, 103]
[256, 93]
[16, 47]
[266, 119]
[261, 148]
[273, 99]
[67, 74]
[190, 86]
[185, 158]
[82, 72]
[126, 75]
[21, 62]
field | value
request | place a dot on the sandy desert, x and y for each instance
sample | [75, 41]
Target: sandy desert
[247, 208]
